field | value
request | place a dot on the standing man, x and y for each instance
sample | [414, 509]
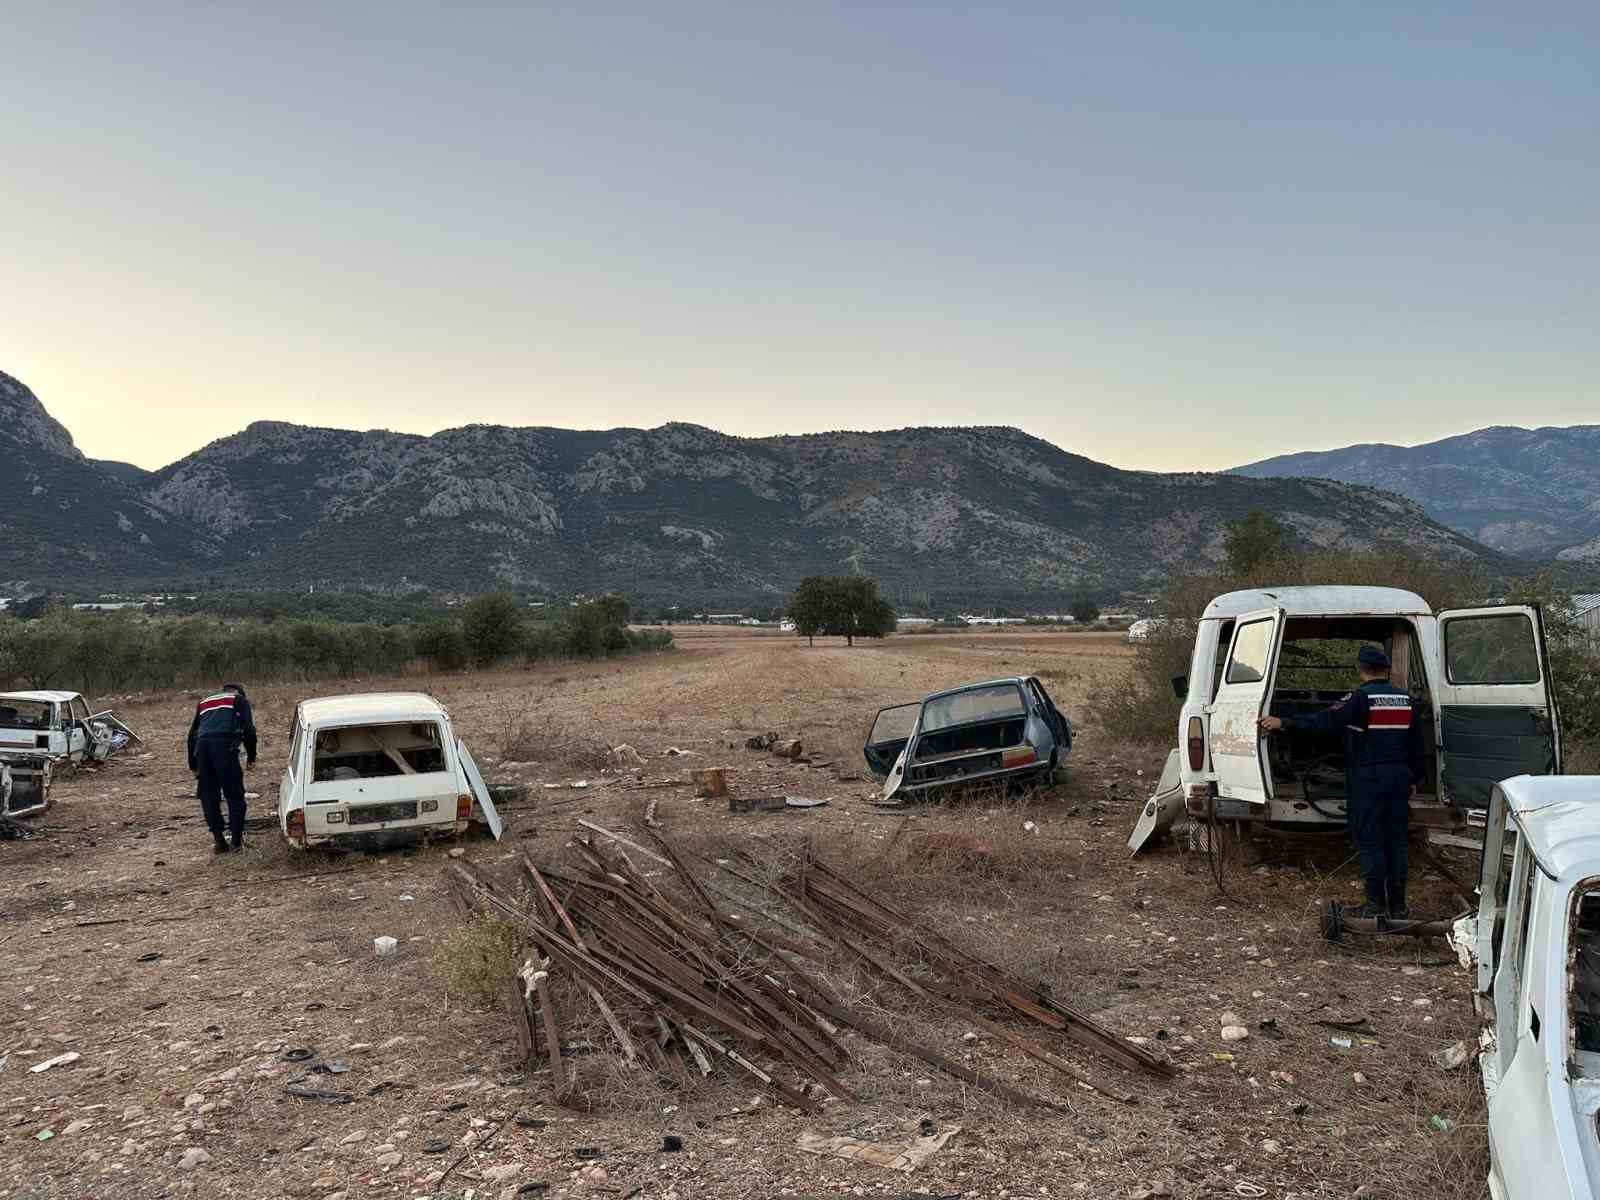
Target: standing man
[1383, 765]
[222, 723]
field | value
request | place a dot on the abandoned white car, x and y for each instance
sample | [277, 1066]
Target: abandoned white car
[1478, 677]
[1535, 946]
[43, 731]
[378, 770]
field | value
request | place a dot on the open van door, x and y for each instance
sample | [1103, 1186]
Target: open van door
[888, 736]
[1238, 748]
[1497, 713]
[479, 789]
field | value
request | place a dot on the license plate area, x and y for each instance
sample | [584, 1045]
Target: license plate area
[377, 814]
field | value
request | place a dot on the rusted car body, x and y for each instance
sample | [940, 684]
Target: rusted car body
[1479, 679]
[1534, 946]
[992, 732]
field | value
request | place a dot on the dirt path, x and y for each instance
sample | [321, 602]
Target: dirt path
[181, 979]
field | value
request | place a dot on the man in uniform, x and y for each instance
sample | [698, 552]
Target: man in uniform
[1383, 764]
[222, 723]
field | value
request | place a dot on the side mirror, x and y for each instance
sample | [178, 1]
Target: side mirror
[1180, 686]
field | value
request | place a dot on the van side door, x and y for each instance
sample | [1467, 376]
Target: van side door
[1497, 714]
[1238, 755]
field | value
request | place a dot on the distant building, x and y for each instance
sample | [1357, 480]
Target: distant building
[911, 622]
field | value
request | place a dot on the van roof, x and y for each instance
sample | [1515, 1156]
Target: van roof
[1322, 600]
[370, 707]
[1560, 817]
[41, 697]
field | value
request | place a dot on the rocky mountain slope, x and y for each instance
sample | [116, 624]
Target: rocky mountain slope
[64, 519]
[679, 512]
[1530, 492]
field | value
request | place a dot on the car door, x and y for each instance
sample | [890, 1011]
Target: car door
[75, 718]
[1497, 714]
[891, 730]
[479, 789]
[1053, 716]
[1238, 755]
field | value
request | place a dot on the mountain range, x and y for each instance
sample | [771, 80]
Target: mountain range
[680, 511]
[1534, 493]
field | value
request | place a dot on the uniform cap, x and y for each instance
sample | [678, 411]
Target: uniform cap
[1373, 658]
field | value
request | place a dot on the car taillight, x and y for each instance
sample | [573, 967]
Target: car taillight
[297, 826]
[1197, 745]
[463, 808]
[1018, 756]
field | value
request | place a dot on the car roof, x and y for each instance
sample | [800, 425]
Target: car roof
[1559, 815]
[41, 697]
[1018, 680]
[1320, 600]
[373, 707]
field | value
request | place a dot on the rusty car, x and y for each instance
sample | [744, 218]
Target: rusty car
[998, 731]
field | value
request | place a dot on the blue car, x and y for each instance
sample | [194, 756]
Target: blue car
[1002, 730]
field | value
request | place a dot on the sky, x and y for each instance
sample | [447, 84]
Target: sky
[1174, 236]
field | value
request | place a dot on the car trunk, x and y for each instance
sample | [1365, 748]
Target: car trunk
[965, 750]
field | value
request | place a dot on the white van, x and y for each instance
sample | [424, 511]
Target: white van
[377, 770]
[41, 731]
[1479, 679]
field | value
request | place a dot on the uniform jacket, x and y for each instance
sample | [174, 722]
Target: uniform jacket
[1380, 730]
[223, 715]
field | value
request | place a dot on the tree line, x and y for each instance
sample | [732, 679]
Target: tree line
[100, 652]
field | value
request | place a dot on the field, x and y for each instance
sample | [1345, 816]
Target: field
[181, 978]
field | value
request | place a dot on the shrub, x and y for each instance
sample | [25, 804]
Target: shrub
[492, 626]
[483, 958]
[443, 645]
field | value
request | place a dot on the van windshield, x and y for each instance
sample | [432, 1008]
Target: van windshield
[376, 751]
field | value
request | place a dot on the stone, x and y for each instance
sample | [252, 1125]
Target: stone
[350, 1139]
[1272, 1146]
[193, 1157]
[193, 1100]
[1234, 1033]
[392, 1159]
[504, 1173]
[77, 1127]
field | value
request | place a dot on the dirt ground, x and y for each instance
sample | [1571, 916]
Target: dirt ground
[182, 978]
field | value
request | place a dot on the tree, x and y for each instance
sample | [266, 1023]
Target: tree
[808, 607]
[1084, 610]
[599, 627]
[1255, 540]
[492, 626]
[846, 606]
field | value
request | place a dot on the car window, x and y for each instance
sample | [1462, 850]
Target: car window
[894, 724]
[1252, 646]
[378, 751]
[1491, 649]
[976, 704]
[80, 710]
[294, 748]
[24, 714]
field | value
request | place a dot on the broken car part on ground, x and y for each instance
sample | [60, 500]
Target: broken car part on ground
[716, 977]
[994, 732]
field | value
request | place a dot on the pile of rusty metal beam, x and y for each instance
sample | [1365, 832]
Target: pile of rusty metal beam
[687, 987]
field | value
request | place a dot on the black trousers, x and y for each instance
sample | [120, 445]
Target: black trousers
[221, 776]
[1379, 816]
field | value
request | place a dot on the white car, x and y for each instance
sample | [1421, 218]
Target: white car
[40, 731]
[1478, 677]
[378, 770]
[1535, 946]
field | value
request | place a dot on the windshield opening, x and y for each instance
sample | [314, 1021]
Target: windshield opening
[1001, 702]
[376, 751]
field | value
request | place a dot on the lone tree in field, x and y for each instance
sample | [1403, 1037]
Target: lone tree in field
[1084, 610]
[846, 606]
[492, 626]
[1255, 540]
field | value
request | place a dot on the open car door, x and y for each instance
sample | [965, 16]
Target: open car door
[1497, 715]
[1053, 716]
[888, 737]
[480, 790]
[1238, 749]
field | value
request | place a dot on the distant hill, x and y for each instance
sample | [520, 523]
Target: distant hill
[1529, 492]
[64, 519]
[680, 511]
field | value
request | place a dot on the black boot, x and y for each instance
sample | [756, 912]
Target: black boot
[221, 844]
[238, 842]
[1398, 910]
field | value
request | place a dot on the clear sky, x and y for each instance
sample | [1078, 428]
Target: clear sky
[1167, 235]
